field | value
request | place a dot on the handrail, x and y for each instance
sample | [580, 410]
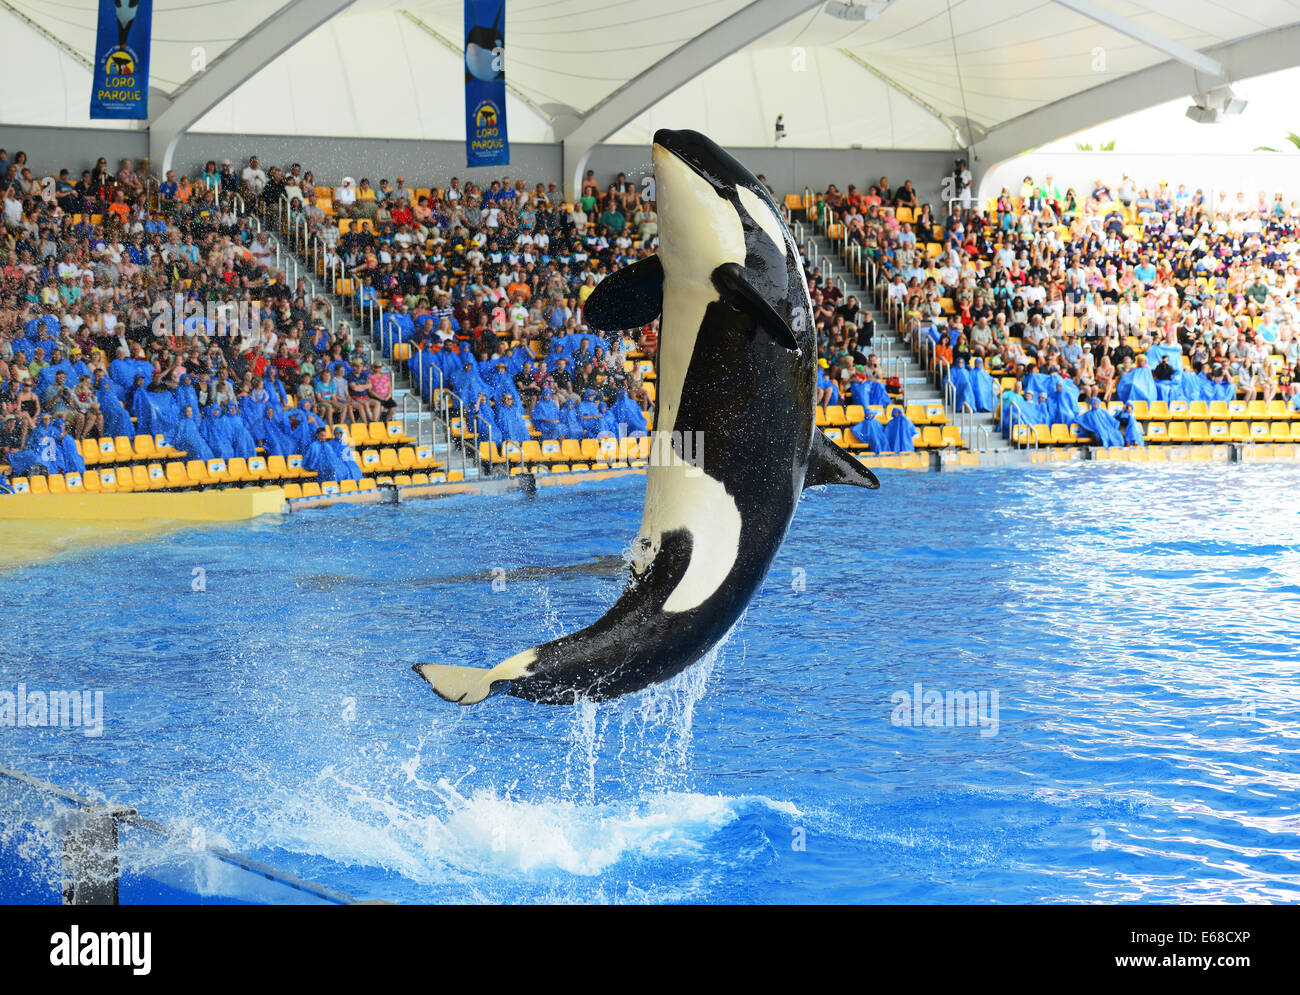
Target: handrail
[129, 816]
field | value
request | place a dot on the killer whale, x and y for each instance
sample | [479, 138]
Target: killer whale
[481, 45]
[737, 350]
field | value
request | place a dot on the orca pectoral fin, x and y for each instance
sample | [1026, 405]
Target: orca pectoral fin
[829, 464]
[736, 290]
[628, 298]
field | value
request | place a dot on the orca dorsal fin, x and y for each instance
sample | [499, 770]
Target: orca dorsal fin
[829, 464]
[730, 280]
[628, 298]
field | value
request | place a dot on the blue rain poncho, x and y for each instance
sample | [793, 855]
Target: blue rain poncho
[485, 424]
[900, 433]
[546, 416]
[982, 386]
[870, 432]
[588, 414]
[570, 427]
[1137, 385]
[629, 416]
[1131, 427]
[214, 432]
[868, 393]
[510, 419]
[327, 460]
[236, 430]
[959, 379]
[184, 393]
[274, 437]
[1101, 425]
[188, 436]
[1062, 402]
[116, 419]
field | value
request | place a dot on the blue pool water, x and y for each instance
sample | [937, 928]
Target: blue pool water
[1136, 623]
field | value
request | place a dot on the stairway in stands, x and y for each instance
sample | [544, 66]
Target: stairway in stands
[896, 358]
[420, 420]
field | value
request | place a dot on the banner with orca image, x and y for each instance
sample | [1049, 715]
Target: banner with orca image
[119, 83]
[486, 141]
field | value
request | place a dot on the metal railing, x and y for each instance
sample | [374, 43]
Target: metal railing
[91, 848]
[369, 315]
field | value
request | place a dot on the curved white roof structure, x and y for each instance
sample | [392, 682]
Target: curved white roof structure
[1005, 75]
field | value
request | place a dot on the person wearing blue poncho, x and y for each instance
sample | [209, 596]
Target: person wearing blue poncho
[959, 379]
[146, 407]
[570, 427]
[866, 393]
[982, 387]
[188, 435]
[629, 416]
[274, 437]
[301, 425]
[510, 419]
[325, 458]
[485, 423]
[235, 429]
[1062, 406]
[213, 430]
[501, 383]
[1137, 384]
[589, 415]
[1131, 427]
[900, 433]
[1036, 383]
[116, 419]
[1029, 413]
[606, 427]
[827, 392]
[278, 397]
[546, 416]
[1101, 424]
[468, 385]
[870, 432]
[184, 393]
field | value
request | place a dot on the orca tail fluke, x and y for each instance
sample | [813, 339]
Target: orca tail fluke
[470, 685]
[459, 685]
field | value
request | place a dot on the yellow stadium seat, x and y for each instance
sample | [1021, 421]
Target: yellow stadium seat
[531, 452]
[311, 489]
[123, 452]
[58, 485]
[1219, 431]
[89, 451]
[73, 483]
[347, 486]
[952, 436]
[1256, 409]
[1239, 431]
[571, 450]
[1237, 409]
[1140, 410]
[1218, 410]
[238, 469]
[388, 460]
[934, 413]
[1198, 409]
[157, 476]
[1198, 431]
[854, 413]
[140, 478]
[39, 485]
[835, 415]
[1280, 431]
[1259, 431]
[257, 469]
[551, 450]
[819, 417]
[1178, 432]
[196, 471]
[931, 437]
[143, 447]
[293, 490]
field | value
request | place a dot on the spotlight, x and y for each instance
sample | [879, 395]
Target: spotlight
[850, 11]
[1213, 106]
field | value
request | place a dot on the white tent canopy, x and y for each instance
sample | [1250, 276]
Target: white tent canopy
[922, 74]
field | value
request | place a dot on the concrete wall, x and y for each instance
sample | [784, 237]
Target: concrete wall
[788, 170]
[51, 149]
